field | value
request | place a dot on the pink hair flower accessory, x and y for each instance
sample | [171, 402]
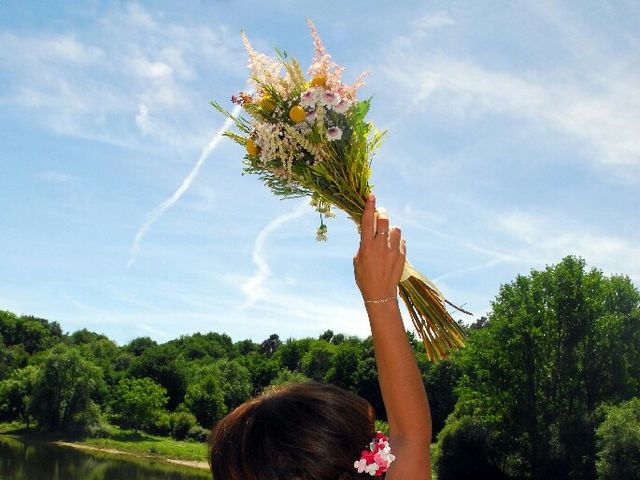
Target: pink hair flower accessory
[377, 459]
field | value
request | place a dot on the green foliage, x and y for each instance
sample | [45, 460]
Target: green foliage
[198, 434]
[318, 360]
[205, 397]
[440, 380]
[618, 441]
[181, 422]
[64, 391]
[290, 353]
[210, 346]
[525, 397]
[270, 345]
[543, 363]
[164, 365]
[12, 358]
[139, 402]
[344, 363]
[286, 377]
[217, 388]
[468, 449]
[262, 370]
[139, 345]
[365, 379]
[32, 333]
[16, 392]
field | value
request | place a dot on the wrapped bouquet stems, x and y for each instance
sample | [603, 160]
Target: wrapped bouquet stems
[307, 135]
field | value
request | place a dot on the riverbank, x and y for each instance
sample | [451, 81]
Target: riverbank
[119, 441]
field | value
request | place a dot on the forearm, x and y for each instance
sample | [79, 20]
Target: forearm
[402, 389]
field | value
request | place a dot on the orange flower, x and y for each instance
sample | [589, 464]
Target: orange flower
[252, 148]
[297, 114]
[319, 81]
[267, 104]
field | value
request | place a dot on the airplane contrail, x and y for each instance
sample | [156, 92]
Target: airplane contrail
[253, 288]
[159, 210]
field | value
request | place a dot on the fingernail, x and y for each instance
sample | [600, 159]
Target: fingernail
[372, 198]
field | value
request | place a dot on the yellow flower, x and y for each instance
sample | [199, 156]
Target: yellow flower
[319, 81]
[267, 104]
[252, 148]
[297, 114]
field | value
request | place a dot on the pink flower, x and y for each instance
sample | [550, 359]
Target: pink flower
[334, 133]
[377, 459]
[343, 106]
[310, 117]
[330, 99]
[360, 465]
[308, 98]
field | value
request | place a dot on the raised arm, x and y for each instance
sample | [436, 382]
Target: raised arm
[378, 267]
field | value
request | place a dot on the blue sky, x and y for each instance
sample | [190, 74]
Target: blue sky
[514, 140]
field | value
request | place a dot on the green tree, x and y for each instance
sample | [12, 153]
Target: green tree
[15, 394]
[365, 379]
[318, 360]
[289, 354]
[139, 345]
[287, 377]
[235, 381]
[440, 380]
[12, 358]
[205, 396]
[164, 365]
[181, 422]
[344, 364]
[217, 388]
[262, 370]
[32, 333]
[466, 449]
[210, 346]
[64, 391]
[244, 347]
[269, 346]
[139, 402]
[618, 440]
[542, 365]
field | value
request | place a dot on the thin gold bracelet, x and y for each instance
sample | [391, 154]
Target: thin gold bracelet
[384, 300]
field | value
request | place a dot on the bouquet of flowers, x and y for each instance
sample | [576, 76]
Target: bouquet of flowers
[307, 136]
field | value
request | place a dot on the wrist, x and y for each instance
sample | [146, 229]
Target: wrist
[379, 292]
[380, 300]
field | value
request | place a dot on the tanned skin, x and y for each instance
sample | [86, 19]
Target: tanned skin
[378, 266]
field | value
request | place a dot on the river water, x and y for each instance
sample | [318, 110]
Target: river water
[26, 460]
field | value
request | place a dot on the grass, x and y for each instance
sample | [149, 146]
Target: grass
[11, 427]
[146, 444]
[124, 440]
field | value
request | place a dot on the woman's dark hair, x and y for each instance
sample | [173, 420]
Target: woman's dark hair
[310, 431]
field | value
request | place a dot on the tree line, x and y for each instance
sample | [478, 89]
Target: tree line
[547, 387]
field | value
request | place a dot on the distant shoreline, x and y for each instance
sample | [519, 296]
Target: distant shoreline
[130, 448]
[114, 451]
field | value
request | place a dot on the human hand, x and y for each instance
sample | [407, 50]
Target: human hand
[380, 259]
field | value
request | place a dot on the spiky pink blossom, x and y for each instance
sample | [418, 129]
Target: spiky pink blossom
[332, 72]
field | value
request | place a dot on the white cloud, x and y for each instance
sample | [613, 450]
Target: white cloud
[139, 17]
[431, 20]
[602, 113]
[61, 49]
[147, 69]
[545, 240]
[592, 98]
[142, 119]
[92, 87]
[56, 177]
